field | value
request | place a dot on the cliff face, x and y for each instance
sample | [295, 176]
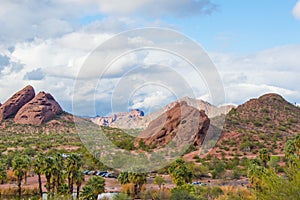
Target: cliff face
[42, 108]
[180, 124]
[14, 103]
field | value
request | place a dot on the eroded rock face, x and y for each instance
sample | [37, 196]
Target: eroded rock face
[182, 124]
[136, 113]
[42, 108]
[13, 104]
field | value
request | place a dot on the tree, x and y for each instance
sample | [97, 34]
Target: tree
[19, 168]
[269, 185]
[27, 167]
[94, 187]
[180, 173]
[138, 178]
[264, 156]
[158, 180]
[87, 193]
[57, 171]
[47, 170]
[73, 163]
[123, 178]
[38, 169]
[79, 179]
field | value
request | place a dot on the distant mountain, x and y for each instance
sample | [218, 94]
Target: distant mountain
[127, 121]
[264, 122]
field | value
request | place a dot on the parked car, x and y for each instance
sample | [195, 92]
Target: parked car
[91, 172]
[198, 183]
[86, 172]
[112, 176]
[100, 173]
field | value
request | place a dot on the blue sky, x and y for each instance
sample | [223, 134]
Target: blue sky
[244, 26]
[254, 45]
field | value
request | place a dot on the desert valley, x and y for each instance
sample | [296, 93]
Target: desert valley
[243, 152]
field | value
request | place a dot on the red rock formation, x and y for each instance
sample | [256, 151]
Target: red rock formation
[13, 104]
[181, 124]
[40, 109]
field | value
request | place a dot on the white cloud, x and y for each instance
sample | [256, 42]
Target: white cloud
[272, 70]
[296, 10]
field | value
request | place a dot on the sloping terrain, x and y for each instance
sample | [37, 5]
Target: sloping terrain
[266, 122]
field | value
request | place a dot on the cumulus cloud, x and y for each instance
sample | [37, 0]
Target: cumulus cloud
[22, 20]
[296, 10]
[248, 76]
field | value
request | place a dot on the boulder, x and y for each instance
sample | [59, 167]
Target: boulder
[14, 103]
[41, 109]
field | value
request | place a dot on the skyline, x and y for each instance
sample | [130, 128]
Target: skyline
[254, 45]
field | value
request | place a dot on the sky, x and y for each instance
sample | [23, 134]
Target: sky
[254, 46]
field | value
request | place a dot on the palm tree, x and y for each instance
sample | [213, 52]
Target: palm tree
[38, 169]
[94, 187]
[27, 167]
[264, 156]
[123, 178]
[87, 193]
[19, 168]
[138, 179]
[79, 179]
[47, 170]
[73, 163]
[57, 171]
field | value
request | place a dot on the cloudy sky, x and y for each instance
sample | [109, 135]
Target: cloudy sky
[254, 45]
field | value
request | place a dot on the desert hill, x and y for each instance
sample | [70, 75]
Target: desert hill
[264, 122]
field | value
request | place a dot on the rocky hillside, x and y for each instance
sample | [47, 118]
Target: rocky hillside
[264, 122]
[39, 112]
[181, 124]
[139, 121]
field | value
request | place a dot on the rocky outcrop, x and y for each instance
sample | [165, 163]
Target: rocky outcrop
[139, 121]
[125, 117]
[181, 124]
[13, 104]
[136, 113]
[42, 108]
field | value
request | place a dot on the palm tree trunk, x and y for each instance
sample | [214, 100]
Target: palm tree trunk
[71, 186]
[58, 181]
[77, 191]
[48, 183]
[40, 184]
[19, 187]
[25, 178]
